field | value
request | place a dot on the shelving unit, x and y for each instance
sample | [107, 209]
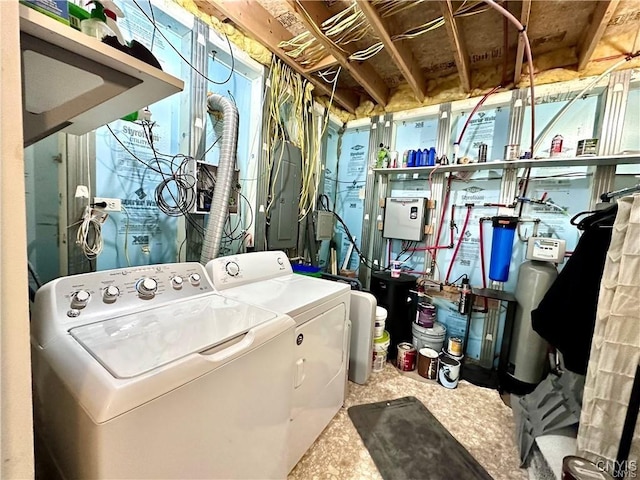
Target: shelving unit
[502, 165]
[75, 83]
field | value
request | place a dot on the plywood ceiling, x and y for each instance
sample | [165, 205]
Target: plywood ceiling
[472, 40]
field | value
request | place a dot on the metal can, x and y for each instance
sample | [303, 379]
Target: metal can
[482, 153]
[455, 346]
[406, 357]
[511, 152]
[556, 146]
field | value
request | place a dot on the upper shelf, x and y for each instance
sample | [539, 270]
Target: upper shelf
[501, 165]
[75, 83]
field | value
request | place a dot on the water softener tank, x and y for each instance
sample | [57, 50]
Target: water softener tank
[528, 353]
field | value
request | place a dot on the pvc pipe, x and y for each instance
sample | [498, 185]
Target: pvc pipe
[455, 252]
[527, 46]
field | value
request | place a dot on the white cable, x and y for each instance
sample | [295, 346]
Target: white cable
[89, 234]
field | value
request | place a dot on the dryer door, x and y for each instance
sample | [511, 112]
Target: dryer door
[319, 377]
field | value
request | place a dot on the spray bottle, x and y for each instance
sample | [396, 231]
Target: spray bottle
[102, 21]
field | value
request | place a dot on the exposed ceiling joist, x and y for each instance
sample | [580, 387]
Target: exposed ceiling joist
[327, 62]
[251, 17]
[313, 13]
[459, 48]
[399, 52]
[601, 16]
[524, 20]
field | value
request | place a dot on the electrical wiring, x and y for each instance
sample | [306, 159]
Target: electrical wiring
[184, 59]
[126, 236]
[420, 29]
[324, 205]
[367, 53]
[89, 235]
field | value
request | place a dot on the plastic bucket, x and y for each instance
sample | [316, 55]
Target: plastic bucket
[381, 320]
[428, 363]
[429, 337]
[448, 371]
[380, 347]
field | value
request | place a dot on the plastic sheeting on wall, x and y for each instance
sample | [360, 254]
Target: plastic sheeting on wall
[149, 234]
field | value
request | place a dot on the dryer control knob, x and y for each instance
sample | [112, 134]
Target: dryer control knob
[232, 268]
[80, 299]
[147, 287]
[176, 282]
[110, 293]
[194, 279]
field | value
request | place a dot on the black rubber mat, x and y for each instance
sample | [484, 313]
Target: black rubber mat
[407, 442]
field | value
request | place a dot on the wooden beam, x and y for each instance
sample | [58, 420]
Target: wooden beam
[524, 20]
[459, 49]
[602, 14]
[327, 62]
[257, 22]
[399, 52]
[313, 13]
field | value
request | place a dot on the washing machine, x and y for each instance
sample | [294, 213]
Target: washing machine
[146, 372]
[320, 309]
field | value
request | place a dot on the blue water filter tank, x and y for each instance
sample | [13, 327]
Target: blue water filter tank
[504, 229]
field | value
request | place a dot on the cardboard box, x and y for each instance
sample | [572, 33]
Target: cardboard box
[57, 9]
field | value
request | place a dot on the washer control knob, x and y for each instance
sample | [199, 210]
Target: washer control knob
[194, 279]
[80, 299]
[232, 268]
[176, 282]
[280, 261]
[110, 293]
[147, 287]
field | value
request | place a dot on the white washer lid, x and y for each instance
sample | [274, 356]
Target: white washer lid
[130, 345]
[290, 294]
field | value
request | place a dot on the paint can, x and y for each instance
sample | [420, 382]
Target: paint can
[482, 153]
[425, 315]
[512, 152]
[380, 347]
[406, 357]
[448, 371]
[428, 363]
[454, 346]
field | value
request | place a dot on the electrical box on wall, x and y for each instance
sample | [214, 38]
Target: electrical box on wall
[404, 218]
[324, 225]
[204, 177]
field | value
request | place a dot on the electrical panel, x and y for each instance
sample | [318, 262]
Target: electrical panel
[404, 218]
[285, 184]
[204, 178]
[546, 249]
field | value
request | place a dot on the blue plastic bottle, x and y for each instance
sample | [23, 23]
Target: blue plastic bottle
[504, 229]
[431, 160]
[411, 158]
[424, 154]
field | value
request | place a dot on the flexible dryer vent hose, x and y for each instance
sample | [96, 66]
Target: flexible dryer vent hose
[224, 180]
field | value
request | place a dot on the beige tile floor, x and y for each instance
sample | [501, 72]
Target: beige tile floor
[475, 416]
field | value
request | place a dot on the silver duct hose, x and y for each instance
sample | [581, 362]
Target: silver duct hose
[226, 166]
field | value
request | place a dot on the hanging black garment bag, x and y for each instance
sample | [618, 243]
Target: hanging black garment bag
[566, 315]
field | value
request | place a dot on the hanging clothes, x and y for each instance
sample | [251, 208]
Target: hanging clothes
[566, 315]
[615, 350]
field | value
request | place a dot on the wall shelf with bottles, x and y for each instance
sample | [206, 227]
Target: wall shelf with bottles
[75, 83]
[537, 163]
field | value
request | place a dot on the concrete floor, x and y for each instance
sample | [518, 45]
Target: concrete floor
[476, 417]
